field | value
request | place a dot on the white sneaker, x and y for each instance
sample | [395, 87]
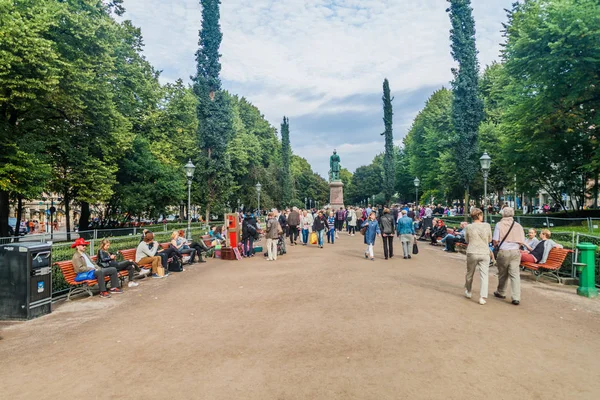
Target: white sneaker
[482, 301]
[144, 271]
[467, 294]
[133, 284]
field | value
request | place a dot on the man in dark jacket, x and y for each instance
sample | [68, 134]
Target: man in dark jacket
[387, 225]
[249, 234]
[293, 221]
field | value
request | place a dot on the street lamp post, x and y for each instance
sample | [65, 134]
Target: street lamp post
[306, 202]
[417, 182]
[258, 187]
[485, 162]
[189, 172]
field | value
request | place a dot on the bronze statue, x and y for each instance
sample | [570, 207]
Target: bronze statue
[334, 165]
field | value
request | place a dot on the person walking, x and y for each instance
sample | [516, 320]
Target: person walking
[478, 235]
[508, 234]
[406, 230]
[371, 234]
[319, 226]
[293, 225]
[272, 234]
[352, 221]
[331, 228]
[340, 217]
[387, 226]
[306, 223]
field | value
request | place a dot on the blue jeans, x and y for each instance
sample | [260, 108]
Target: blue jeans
[321, 235]
[304, 236]
[446, 237]
[331, 236]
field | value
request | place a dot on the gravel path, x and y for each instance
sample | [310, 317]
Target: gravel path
[315, 324]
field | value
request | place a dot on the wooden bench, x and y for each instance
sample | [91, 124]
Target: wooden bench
[555, 260]
[66, 267]
[129, 255]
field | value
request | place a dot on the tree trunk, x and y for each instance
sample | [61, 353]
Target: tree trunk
[4, 211]
[596, 190]
[467, 205]
[207, 213]
[68, 215]
[84, 217]
[19, 217]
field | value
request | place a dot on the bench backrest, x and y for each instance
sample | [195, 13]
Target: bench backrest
[557, 256]
[66, 267]
[128, 254]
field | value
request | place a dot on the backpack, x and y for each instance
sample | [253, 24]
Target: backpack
[348, 217]
[175, 264]
[251, 229]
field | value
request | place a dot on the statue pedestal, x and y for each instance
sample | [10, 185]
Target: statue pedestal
[336, 194]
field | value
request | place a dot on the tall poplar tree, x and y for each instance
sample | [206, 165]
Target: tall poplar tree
[286, 156]
[215, 119]
[389, 168]
[467, 107]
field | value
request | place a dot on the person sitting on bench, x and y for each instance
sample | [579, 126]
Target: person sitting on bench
[85, 269]
[106, 260]
[457, 237]
[179, 243]
[439, 230]
[198, 247]
[540, 253]
[146, 253]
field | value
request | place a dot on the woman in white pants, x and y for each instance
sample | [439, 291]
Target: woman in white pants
[478, 235]
[370, 234]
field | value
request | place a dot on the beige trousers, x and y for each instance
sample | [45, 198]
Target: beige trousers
[480, 262]
[156, 262]
[272, 249]
[508, 267]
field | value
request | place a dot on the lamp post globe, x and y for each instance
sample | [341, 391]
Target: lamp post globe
[258, 188]
[417, 182]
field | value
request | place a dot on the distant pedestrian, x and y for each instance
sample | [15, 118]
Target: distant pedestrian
[387, 225]
[293, 225]
[331, 228]
[406, 231]
[272, 233]
[371, 234]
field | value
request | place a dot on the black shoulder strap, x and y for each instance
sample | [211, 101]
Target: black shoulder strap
[507, 233]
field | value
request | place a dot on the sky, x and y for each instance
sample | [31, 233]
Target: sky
[322, 63]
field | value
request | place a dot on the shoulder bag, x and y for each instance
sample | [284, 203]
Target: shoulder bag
[497, 248]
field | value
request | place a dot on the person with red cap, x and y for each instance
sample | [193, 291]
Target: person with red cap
[86, 269]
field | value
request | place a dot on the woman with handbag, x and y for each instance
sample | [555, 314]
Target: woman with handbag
[478, 235]
[371, 230]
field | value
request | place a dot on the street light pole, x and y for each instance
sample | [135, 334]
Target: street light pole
[417, 182]
[189, 172]
[485, 162]
[258, 187]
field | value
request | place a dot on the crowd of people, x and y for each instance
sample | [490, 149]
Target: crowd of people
[506, 246]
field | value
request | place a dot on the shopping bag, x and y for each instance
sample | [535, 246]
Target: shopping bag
[415, 247]
[313, 238]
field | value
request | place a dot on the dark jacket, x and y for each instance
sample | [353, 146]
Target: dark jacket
[293, 218]
[319, 223]
[248, 233]
[387, 225]
[439, 231]
[282, 221]
[103, 258]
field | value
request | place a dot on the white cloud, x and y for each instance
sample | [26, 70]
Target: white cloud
[278, 53]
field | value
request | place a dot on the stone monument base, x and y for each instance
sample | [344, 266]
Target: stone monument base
[336, 194]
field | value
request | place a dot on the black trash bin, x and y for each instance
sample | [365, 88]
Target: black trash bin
[25, 280]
